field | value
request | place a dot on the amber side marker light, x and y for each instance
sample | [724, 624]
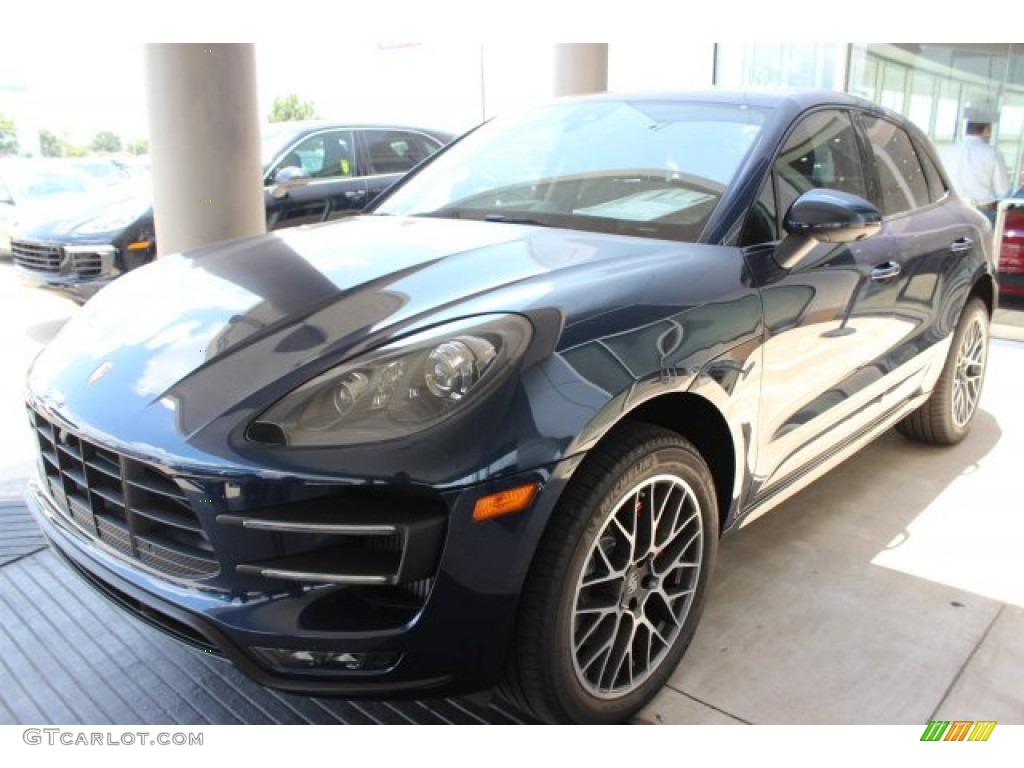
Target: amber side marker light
[141, 245]
[505, 502]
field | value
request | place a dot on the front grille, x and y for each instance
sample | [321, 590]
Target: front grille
[38, 257]
[133, 508]
[87, 264]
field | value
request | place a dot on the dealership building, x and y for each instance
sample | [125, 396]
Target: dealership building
[931, 83]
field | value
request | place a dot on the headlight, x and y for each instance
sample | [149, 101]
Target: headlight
[399, 389]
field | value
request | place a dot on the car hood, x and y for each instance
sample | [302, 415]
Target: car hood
[218, 329]
[61, 217]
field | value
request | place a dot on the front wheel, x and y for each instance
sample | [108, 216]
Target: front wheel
[618, 584]
[945, 418]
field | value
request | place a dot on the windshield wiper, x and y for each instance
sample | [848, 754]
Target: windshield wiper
[513, 219]
[473, 215]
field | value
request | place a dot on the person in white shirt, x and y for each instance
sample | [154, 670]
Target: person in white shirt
[977, 168]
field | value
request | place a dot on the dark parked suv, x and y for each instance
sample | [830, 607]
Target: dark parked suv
[490, 433]
[313, 171]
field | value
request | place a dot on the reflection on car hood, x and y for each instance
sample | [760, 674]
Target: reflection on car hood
[57, 217]
[271, 305]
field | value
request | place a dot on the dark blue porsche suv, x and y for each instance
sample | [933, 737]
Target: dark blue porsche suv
[487, 435]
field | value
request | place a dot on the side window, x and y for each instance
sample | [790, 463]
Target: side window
[903, 183]
[321, 156]
[936, 187]
[821, 152]
[396, 151]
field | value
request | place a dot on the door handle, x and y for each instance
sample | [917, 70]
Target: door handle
[886, 271]
[961, 245]
[355, 194]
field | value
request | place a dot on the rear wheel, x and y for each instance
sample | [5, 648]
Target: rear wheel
[618, 584]
[945, 418]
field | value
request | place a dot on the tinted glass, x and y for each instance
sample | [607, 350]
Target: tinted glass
[40, 183]
[936, 187]
[649, 168]
[323, 155]
[900, 174]
[820, 152]
[274, 138]
[396, 151]
[761, 224]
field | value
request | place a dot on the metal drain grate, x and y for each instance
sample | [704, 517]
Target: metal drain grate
[69, 657]
[19, 534]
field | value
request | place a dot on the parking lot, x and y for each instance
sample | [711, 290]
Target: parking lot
[890, 591]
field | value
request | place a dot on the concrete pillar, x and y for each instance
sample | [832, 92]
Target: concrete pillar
[581, 68]
[204, 142]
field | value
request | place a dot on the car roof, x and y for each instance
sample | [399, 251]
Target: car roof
[298, 127]
[787, 101]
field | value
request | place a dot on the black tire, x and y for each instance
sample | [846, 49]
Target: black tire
[645, 598]
[945, 418]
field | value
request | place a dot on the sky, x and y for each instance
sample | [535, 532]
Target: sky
[92, 88]
[79, 68]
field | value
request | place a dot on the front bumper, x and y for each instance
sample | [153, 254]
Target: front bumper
[446, 633]
[63, 264]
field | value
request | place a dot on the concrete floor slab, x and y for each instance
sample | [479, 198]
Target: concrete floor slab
[991, 684]
[846, 604]
[670, 707]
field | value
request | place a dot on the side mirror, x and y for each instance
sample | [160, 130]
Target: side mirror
[287, 178]
[825, 216]
[289, 173]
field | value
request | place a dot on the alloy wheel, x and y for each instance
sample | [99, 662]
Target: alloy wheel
[969, 372]
[637, 586]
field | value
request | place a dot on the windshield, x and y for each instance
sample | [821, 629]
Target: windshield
[274, 138]
[649, 168]
[36, 182]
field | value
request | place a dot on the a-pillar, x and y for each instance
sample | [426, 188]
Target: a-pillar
[204, 143]
[580, 68]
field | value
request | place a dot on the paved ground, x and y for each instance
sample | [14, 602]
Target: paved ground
[890, 591]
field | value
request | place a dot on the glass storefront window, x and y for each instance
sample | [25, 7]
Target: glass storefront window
[922, 100]
[863, 75]
[947, 113]
[894, 86]
[809, 65]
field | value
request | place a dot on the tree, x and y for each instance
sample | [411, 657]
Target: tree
[106, 141]
[8, 136]
[138, 147]
[51, 145]
[291, 107]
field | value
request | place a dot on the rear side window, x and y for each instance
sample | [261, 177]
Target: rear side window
[904, 186]
[396, 151]
[936, 187]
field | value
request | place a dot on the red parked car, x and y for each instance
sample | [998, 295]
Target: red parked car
[1011, 254]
